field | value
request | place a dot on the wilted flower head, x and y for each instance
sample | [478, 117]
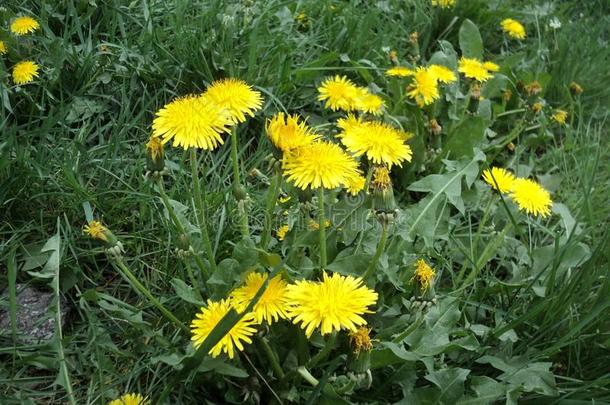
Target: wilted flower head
[424, 274]
[24, 25]
[236, 96]
[576, 88]
[533, 89]
[361, 339]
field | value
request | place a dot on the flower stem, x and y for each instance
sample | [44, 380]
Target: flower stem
[125, 272]
[322, 354]
[272, 195]
[237, 187]
[272, 358]
[234, 158]
[380, 248]
[322, 230]
[199, 205]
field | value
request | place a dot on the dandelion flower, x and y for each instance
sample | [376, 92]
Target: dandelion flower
[443, 3]
[96, 230]
[381, 178]
[442, 73]
[24, 25]
[513, 28]
[531, 197]
[24, 72]
[314, 225]
[271, 306]
[208, 318]
[370, 103]
[424, 274]
[319, 164]
[424, 89]
[337, 302]
[154, 147]
[130, 399]
[355, 184]
[361, 339]
[537, 107]
[192, 121]
[281, 232]
[3, 49]
[399, 71]
[237, 96]
[287, 133]
[339, 93]
[576, 88]
[474, 69]
[491, 67]
[499, 179]
[381, 143]
[560, 116]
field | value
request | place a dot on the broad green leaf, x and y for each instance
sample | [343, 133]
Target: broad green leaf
[185, 292]
[470, 39]
[487, 391]
[450, 382]
[465, 136]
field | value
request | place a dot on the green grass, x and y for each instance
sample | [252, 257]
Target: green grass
[73, 142]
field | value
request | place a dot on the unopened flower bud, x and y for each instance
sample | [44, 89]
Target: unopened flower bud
[155, 156]
[434, 127]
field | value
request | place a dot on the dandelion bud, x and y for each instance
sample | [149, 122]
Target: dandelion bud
[393, 55]
[533, 89]
[383, 194]
[240, 192]
[475, 91]
[510, 146]
[576, 88]
[155, 156]
[95, 230]
[434, 127]
[414, 37]
[506, 95]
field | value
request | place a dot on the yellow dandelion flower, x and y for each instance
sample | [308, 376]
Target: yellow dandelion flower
[314, 225]
[560, 116]
[370, 103]
[491, 67]
[355, 184]
[381, 143]
[96, 230]
[337, 302]
[339, 93]
[237, 96]
[531, 197]
[154, 148]
[208, 318]
[130, 399]
[281, 232]
[424, 274]
[513, 28]
[443, 3]
[24, 25]
[381, 178]
[3, 49]
[474, 69]
[287, 133]
[24, 72]
[319, 164]
[192, 121]
[424, 89]
[442, 73]
[284, 200]
[361, 339]
[537, 107]
[399, 71]
[271, 306]
[499, 179]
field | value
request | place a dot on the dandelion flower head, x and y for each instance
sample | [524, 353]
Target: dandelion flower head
[370, 103]
[560, 116]
[337, 302]
[474, 69]
[207, 319]
[3, 49]
[271, 306]
[95, 230]
[130, 399]
[531, 197]
[424, 274]
[192, 121]
[361, 339]
[499, 179]
[339, 93]
[442, 73]
[513, 28]
[24, 72]
[319, 164]
[355, 184]
[24, 25]
[399, 71]
[424, 89]
[443, 3]
[287, 133]
[237, 96]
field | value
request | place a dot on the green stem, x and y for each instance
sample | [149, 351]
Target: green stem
[272, 195]
[322, 230]
[234, 158]
[125, 272]
[199, 205]
[380, 248]
[272, 358]
[307, 376]
[237, 187]
[191, 276]
[322, 354]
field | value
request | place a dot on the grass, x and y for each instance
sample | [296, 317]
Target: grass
[72, 147]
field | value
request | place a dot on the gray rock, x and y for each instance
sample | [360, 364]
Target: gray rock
[35, 316]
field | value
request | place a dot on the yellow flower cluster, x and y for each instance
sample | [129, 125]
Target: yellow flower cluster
[340, 93]
[424, 87]
[473, 68]
[513, 28]
[529, 196]
[334, 303]
[198, 121]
